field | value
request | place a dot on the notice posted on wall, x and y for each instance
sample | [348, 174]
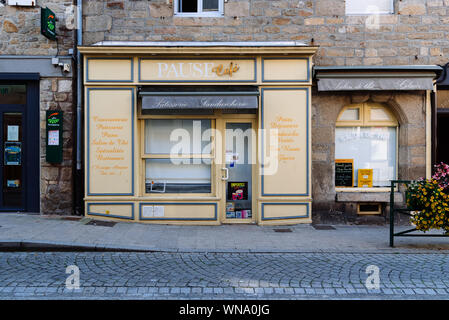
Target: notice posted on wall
[53, 138]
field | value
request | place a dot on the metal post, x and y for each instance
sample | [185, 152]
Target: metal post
[392, 214]
[79, 96]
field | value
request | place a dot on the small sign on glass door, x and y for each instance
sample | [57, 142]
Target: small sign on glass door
[13, 153]
[13, 133]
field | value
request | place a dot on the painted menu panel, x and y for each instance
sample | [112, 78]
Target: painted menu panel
[109, 70]
[197, 70]
[285, 111]
[280, 211]
[111, 210]
[286, 70]
[110, 141]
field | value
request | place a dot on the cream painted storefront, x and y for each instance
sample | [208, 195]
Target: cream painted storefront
[246, 110]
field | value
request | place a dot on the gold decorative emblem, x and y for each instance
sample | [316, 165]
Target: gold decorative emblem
[222, 71]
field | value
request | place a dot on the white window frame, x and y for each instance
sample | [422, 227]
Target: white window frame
[390, 11]
[200, 12]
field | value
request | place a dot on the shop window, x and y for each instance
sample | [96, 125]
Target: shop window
[366, 147]
[198, 7]
[350, 114]
[178, 155]
[369, 7]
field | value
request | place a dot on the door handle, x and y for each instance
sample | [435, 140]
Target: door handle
[226, 177]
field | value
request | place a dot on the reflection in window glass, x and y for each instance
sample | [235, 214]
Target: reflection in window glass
[187, 136]
[370, 148]
[13, 94]
[379, 114]
[188, 6]
[181, 176]
[350, 114]
[210, 5]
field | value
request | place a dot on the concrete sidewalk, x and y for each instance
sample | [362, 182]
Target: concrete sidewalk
[51, 231]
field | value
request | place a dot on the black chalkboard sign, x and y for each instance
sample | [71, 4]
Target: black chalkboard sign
[344, 172]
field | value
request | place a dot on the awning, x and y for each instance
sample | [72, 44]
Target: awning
[195, 98]
[376, 78]
[375, 84]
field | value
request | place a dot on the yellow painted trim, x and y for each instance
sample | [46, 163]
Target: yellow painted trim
[365, 118]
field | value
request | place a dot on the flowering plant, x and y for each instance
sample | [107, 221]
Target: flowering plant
[442, 176]
[430, 202]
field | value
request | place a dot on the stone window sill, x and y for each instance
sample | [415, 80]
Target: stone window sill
[368, 197]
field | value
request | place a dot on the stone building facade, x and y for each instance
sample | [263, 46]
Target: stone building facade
[24, 50]
[407, 107]
[415, 34]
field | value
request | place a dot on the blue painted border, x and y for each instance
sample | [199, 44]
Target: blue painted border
[215, 218]
[307, 137]
[110, 204]
[199, 81]
[281, 58]
[88, 143]
[307, 204]
[110, 81]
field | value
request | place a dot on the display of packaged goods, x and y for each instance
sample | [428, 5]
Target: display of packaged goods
[230, 215]
[230, 207]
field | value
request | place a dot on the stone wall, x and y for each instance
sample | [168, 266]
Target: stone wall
[409, 109]
[57, 179]
[416, 34]
[20, 29]
[20, 35]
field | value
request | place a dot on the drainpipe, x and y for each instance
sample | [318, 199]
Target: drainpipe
[79, 185]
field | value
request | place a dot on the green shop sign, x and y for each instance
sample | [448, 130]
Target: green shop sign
[54, 136]
[48, 23]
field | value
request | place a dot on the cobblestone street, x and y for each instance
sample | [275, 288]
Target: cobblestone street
[127, 275]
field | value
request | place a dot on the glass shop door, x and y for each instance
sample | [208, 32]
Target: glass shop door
[238, 171]
[12, 193]
[13, 103]
[19, 145]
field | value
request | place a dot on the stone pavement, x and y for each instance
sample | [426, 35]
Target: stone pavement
[167, 275]
[17, 229]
